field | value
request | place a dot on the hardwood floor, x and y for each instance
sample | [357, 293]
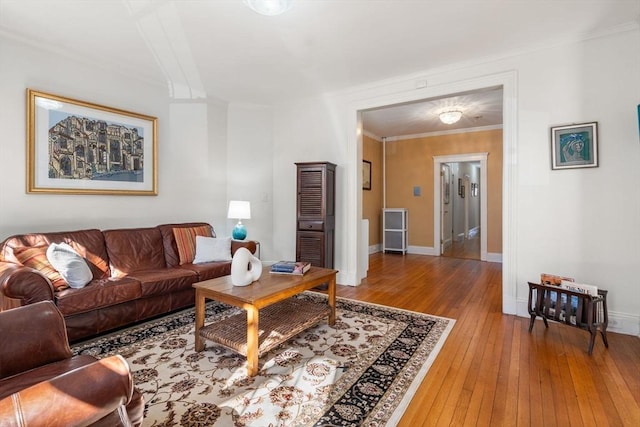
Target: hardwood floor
[467, 248]
[491, 370]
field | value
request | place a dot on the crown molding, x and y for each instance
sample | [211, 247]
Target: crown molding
[372, 135]
[444, 132]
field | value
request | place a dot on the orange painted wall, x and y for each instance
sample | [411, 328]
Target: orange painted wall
[372, 200]
[409, 163]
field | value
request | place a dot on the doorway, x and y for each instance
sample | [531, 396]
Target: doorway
[460, 210]
[461, 192]
[479, 128]
[380, 98]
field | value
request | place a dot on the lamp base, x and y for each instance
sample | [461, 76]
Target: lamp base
[239, 232]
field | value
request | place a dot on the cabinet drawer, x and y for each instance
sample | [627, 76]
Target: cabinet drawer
[311, 225]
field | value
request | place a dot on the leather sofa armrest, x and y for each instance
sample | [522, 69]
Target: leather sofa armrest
[23, 283]
[79, 397]
[32, 336]
[249, 244]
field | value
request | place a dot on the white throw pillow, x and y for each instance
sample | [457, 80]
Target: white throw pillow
[210, 249]
[71, 266]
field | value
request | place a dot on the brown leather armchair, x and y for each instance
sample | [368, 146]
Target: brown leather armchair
[42, 383]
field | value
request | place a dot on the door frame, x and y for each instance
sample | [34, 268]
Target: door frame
[437, 198]
[405, 91]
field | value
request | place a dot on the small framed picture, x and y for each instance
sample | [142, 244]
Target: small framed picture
[574, 146]
[366, 175]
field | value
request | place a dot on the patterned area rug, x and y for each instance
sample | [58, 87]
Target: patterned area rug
[362, 371]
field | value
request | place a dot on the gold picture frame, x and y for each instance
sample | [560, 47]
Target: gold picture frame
[77, 147]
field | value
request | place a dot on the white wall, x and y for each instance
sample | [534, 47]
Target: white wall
[582, 223]
[305, 134]
[191, 135]
[559, 221]
[474, 202]
[249, 153]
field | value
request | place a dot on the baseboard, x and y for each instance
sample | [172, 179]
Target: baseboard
[494, 257]
[622, 323]
[427, 250]
[417, 250]
[421, 250]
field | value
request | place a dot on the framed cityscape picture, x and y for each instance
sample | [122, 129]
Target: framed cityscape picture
[574, 146]
[77, 147]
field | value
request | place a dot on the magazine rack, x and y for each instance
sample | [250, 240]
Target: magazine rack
[575, 309]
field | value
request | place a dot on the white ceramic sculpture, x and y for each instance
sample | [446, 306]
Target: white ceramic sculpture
[245, 268]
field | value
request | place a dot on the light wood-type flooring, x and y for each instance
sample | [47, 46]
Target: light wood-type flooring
[467, 248]
[491, 370]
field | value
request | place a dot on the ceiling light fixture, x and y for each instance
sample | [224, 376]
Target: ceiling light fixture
[269, 7]
[450, 117]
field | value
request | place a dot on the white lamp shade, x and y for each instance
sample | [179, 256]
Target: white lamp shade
[239, 209]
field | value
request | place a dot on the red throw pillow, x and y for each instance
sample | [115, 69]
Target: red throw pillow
[36, 257]
[186, 241]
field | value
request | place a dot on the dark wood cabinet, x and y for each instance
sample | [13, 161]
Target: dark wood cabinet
[316, 216]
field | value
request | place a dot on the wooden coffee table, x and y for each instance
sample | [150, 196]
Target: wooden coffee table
[271, 315]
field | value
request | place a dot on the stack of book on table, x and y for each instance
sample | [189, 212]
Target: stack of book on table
[290, 267]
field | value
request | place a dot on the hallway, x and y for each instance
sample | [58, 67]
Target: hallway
[466, 249]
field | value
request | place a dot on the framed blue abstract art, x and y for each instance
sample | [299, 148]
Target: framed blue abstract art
[574, 146]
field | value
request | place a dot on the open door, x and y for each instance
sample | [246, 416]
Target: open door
[446, 208]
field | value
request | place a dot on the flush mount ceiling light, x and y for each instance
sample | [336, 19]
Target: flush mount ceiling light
[269, 7]
[450, 117]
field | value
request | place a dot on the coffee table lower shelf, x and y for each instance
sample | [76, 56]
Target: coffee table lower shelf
[277, 323]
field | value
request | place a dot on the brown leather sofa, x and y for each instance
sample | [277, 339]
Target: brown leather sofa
[136, 275]
[42, 384]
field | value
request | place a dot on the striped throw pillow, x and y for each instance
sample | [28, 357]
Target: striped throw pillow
[186, 241]
[36, 257]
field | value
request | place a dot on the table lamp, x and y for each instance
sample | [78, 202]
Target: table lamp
[239, 210]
